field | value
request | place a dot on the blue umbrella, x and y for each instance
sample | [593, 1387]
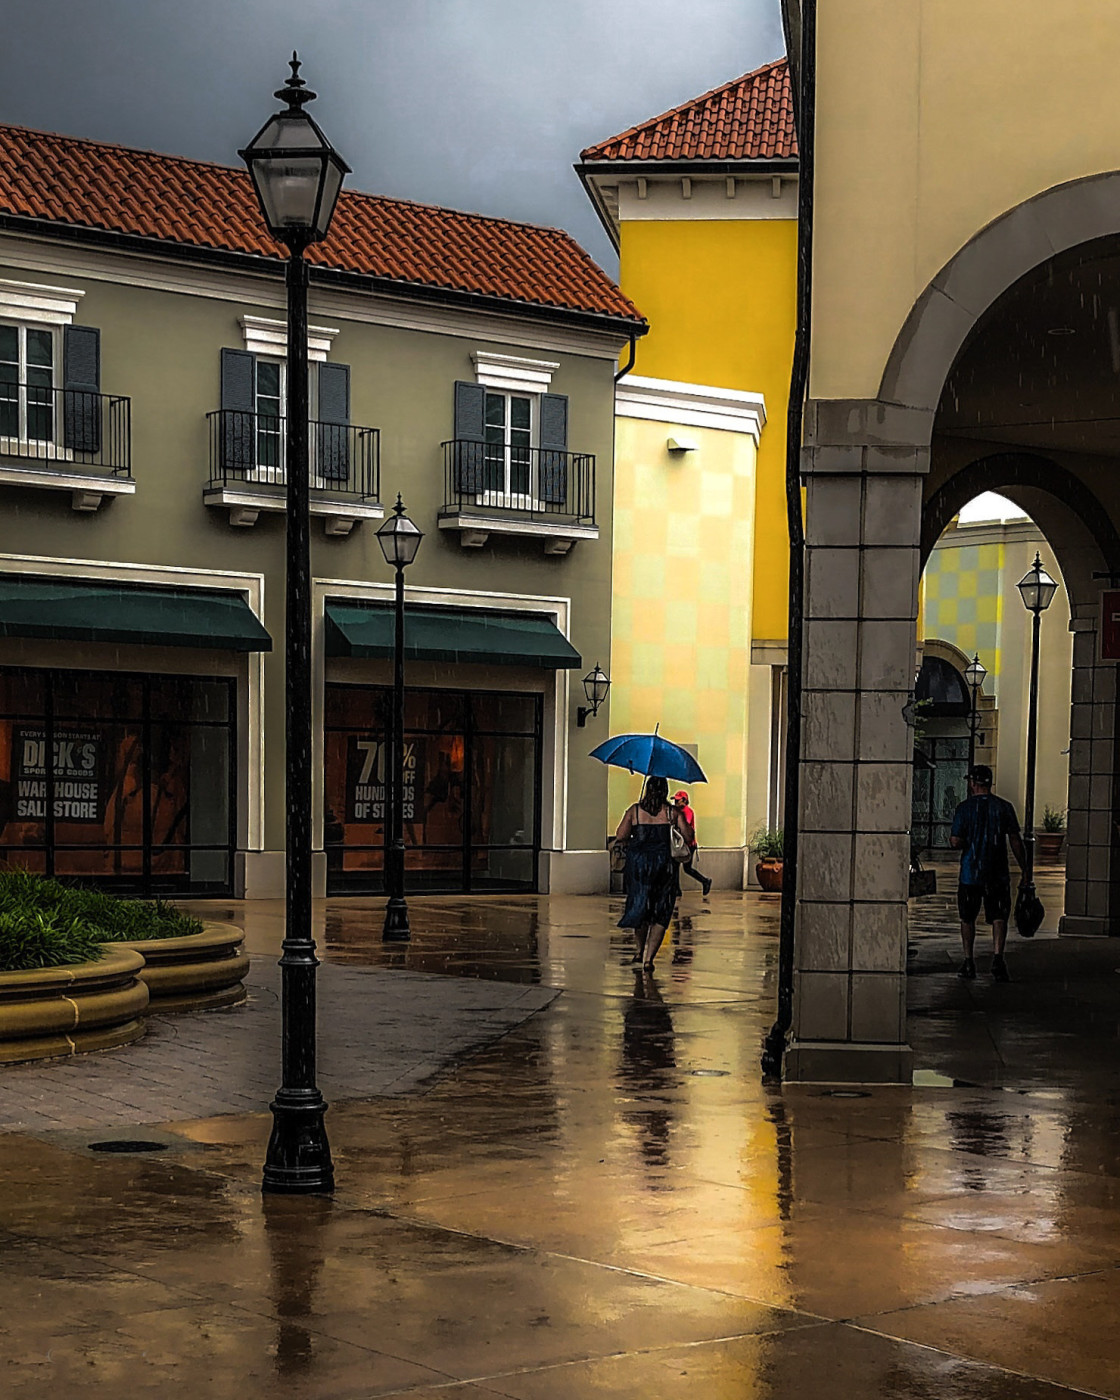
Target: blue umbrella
[651, 755]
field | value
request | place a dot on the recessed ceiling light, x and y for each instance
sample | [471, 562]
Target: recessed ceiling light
[1061, 330]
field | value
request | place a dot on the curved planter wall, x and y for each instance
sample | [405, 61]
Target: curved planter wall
[68, 1010]
[196, 972]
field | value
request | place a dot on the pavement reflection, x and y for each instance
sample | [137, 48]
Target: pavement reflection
[606, 1200]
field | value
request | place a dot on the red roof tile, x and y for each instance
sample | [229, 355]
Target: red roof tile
[749, 118]
[65, 180]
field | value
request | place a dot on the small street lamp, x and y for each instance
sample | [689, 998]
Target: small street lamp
[974, 674]
[297, 176]
[399, 540]
[595, 686]
[1037, 590]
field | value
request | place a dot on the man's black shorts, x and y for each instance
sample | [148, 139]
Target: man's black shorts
[996, 898]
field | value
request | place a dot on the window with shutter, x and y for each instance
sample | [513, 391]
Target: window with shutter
[81, 401]
[470, 438]
[554, 449]
[238, 441]
[332, 438]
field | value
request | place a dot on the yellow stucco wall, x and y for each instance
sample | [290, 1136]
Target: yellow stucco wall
[970, 600]
[684, 541]
[720, 296]
[934, 117]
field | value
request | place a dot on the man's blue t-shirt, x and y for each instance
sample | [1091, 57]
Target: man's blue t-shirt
[984, 822]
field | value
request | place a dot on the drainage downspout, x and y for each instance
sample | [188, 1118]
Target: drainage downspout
[775, 1043]
[629, 365]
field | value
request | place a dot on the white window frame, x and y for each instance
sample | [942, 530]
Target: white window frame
[261, 472]
[20, 444]
[515, 375]
[506, 498]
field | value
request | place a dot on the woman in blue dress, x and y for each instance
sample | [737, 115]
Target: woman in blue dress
[651, 877]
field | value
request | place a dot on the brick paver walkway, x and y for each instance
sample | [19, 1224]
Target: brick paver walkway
[380, 1032]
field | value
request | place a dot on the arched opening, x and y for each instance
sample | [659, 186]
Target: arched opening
[1028, 410]
[1004, 378]
[973, 624]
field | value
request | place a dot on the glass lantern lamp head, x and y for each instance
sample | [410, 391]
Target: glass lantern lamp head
[975, 672]
[296, 172]
[399, 538]
[1036, 587]
[595, 686]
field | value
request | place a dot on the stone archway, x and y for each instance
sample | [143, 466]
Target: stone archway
[865, 463]
[1086, 544]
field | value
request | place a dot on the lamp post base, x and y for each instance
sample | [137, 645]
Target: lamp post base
[396, 928]
[298, 1160]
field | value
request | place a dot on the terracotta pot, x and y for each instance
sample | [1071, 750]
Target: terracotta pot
[769, 874]
[1048, 845]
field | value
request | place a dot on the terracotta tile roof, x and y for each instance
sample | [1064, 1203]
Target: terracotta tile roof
[749, 118]
[89, 184]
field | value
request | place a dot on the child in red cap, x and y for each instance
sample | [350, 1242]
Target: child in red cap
[680, 801]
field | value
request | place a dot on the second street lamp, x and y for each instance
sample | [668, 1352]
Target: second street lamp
[399, 540]
[297, 176]
[974, 675]
[1037, 590]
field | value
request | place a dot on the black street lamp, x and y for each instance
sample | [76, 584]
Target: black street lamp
[595, 686]
[1037, 590]
[399, 540]
[974, 674]
[297, 176]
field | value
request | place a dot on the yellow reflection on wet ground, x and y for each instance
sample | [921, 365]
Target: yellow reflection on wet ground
[606, 1200]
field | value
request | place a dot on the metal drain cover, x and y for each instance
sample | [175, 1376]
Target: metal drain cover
[128, 1145]
[845, 1094]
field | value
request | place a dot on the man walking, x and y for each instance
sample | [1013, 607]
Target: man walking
[983, 824]
[680, 802]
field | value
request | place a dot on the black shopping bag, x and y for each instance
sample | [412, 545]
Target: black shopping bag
[1029, 912]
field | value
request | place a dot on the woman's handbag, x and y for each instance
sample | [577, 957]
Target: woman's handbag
[618, 856]
[679, 848]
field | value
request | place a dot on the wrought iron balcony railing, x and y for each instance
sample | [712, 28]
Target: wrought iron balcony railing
[247, 450]
[528, 482]
[68, 430]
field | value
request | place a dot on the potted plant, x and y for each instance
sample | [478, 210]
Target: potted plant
[767, 846]
[1049, 840]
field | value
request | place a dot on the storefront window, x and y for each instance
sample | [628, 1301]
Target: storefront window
[117, 779]
[459, 835]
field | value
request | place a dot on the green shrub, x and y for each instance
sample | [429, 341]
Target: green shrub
[44, 938]
[1053, 821]
[44, 923]
[766, 843]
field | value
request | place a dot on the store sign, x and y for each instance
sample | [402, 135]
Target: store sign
[1110, 625]
[367, 762]
[77, 786]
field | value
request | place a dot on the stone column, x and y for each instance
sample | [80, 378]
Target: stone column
[1090, 833]
[862, 536]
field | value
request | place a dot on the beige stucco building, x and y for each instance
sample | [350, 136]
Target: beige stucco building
[965, 286]
[465, 362]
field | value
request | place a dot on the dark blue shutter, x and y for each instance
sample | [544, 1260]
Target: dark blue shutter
[237, 442]
[81, 399]
[554, 449]
[333, 436]
[470, 437]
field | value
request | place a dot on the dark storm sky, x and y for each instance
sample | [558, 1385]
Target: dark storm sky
[476, 104]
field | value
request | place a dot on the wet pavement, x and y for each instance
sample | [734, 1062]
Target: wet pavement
[606, 1200]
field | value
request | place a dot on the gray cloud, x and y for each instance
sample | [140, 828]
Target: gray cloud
[475, 104]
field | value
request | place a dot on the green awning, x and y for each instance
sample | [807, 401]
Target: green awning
[449, 634]
[79, 611]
